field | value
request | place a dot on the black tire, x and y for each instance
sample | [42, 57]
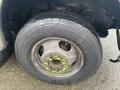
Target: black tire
[5, 55]
[7, 52]
[118, 38]
[69, 27]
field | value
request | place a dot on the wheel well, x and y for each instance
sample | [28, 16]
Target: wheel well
[15, 13]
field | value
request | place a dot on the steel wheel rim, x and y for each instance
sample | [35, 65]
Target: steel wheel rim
[69, 58]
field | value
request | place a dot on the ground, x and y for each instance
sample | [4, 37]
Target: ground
[13, 77]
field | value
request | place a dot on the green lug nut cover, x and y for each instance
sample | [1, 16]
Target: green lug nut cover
[57, 59]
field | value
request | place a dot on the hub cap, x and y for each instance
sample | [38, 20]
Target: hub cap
[57, 57]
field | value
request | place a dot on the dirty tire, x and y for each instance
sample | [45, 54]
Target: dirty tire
[63, 26]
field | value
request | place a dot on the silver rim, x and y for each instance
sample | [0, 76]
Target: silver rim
[57, 57]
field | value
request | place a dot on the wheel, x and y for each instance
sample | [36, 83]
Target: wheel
[8, 51]
[60, 50]
[118, 38]
[5, 55]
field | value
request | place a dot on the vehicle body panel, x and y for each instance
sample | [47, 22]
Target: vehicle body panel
[2, 37]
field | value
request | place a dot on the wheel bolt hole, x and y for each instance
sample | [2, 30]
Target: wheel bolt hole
[41, 50]
[74, 63]
[65, 46]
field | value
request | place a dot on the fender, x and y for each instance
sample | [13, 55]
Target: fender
[2, 37]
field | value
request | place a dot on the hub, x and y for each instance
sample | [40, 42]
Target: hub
[56, 63]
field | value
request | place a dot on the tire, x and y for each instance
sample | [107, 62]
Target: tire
[69, 27]
[7, 52]
[118, 38]
[5, 55]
